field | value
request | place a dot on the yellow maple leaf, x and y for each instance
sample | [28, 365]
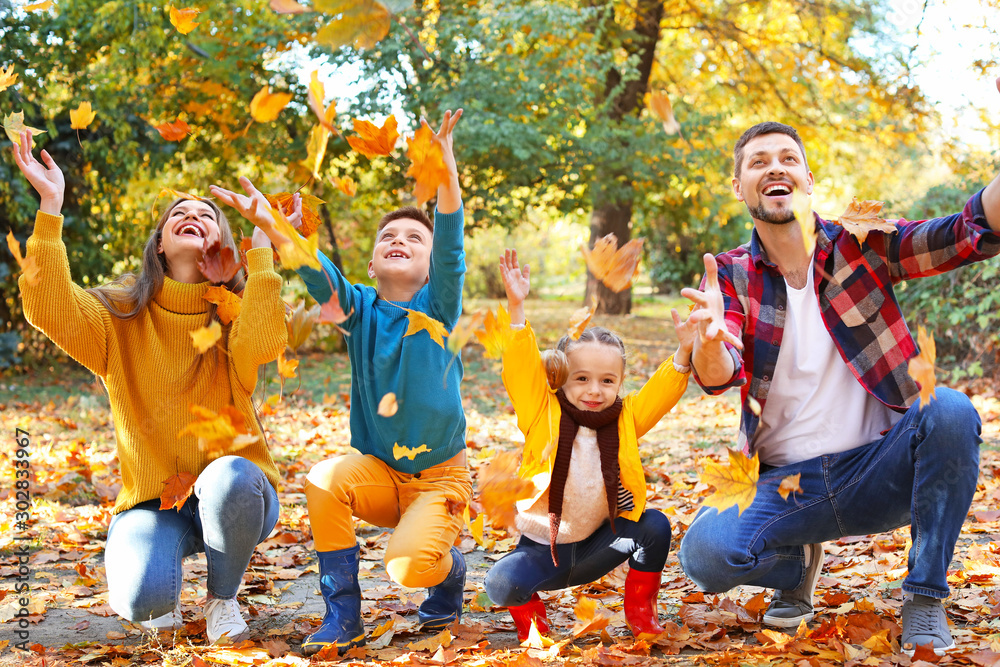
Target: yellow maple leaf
[580, 318]
[802, 207]
[616, 267]
[13, 125]
[372, 140]
[362, 23]
[183, 19]
[432, 644]
[205, 337]
[496, 333]
[863, 217]
[426, 164]
[82, 116]
[319, 137]
[297, 251]
[38, 6]
[345, 185]
[287, 368]
[28, 265]
[921, 367]
[218, 433]
[659, 104]
[398, 451]
[500, 487]
[735, 484]
[789, 484]
[7, 77]
[388, 406]
[423, 322]
[265, 105]
[228, 304]
[317, 98]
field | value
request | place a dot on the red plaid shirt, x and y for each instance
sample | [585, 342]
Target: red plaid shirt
[858, 305]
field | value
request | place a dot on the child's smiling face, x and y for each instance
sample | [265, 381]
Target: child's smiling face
[402, 254]
[596, 371]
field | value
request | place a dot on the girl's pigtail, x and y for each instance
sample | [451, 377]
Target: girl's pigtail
[556, 367]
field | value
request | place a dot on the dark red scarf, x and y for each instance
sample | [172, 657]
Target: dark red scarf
[605, 423]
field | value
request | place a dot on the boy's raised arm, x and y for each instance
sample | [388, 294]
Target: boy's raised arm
[447, 270]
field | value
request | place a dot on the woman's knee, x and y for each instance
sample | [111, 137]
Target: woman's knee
[229, 476]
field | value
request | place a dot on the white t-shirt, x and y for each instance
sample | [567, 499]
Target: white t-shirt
[815, 405]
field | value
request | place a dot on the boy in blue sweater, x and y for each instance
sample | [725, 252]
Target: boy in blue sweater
[419, 265]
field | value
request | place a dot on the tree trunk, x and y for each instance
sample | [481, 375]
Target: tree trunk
[609, 218]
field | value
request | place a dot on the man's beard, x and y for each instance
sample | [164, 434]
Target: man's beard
[779, 217]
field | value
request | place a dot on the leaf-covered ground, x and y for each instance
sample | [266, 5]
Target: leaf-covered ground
[76, 478]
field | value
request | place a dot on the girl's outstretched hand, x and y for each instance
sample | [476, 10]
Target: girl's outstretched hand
[47, 179]
[517, 284]
[254, 207]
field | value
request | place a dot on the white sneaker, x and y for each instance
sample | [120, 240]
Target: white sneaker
[172, 620]
[223, 618]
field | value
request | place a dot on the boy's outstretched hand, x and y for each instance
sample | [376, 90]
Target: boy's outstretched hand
[47, 179]
[449, 197]
[517, 283]
[254, 207]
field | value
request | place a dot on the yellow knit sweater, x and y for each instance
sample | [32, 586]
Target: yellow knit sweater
[145, 363]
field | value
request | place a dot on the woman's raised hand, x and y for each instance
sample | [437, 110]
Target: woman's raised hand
[254, 207]
[47, 179]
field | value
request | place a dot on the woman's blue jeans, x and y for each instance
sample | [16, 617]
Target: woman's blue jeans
[529, 568]
[233, 508]
[922, 472]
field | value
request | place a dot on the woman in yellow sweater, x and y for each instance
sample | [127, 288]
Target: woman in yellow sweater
[135, 335]
[581, 436]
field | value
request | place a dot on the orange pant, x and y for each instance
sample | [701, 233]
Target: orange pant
[418, 554]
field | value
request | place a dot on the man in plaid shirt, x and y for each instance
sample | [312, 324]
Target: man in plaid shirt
[826, 393]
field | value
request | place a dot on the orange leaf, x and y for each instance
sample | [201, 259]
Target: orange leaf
[265, 105]
[500, 487]
[372, 140]
[300, 324]
[206, 337]
[461, 334]
[388, 406]
[218, 433]
[287, 7]
[580, 318]
[788, 485]
[287, 367]
[219, 264]
[862, 217]
[398, 451]
[802, 207]
[332, 313]
[174, 131]
[176, 490]
[319, 137]
[444, 638]
[660, 105]
[228, 303]
[362, 23]
[317, 98]
[536, 639]
[496, 333]
[422, 322]
[426, 164]
[735, 484]
[299, 250]
[176, 194]
[616, 267]
[590, 617]
[183, 19]
[345, 185]
[81, 116]
[7, 77]
[28, 265]
[921, 367]
[310, 209]
[38, 6]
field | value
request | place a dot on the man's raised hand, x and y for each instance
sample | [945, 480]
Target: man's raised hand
[710, 312]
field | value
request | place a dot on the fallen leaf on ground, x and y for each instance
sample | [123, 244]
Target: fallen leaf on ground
[590, 618]
[735, 484]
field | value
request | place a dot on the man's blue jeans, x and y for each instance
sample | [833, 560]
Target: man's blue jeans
[529, 568]
[233, 508]
[923, 472]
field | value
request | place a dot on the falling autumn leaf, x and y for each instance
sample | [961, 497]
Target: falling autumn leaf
[921, 367]
[616, 267]
[754, 405]
[580, 318]
[735, 484]
[265, 105]
[300, 324]
[496, 333]
[7, 77]
[362, 23]
[590, 617]
[789, 484]
[228, 304]
[802, 207]
[372, 140]
[310, 209]
[863, 217]
[659, 104]
[319, 137]
[426, 164]
[38, 6]
[500, 487]
[317, 99]
[174, 131]
[345, 185]
[461, 334]
[287, 368]
[297, 251]
[423, 322]
[399, 452]
[219, 264]
[13, 125]
[218, 433]
[81, 117]
[176, 490]
[388, 406]
[28, 265]
[287, 7]
[183, 19]
[331, 312]
[175, 194]
[206, 337]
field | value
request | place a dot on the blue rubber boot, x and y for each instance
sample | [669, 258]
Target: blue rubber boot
[443, 605]
[338, 584]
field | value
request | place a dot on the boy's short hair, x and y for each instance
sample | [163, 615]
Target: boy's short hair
[768, 127]
[411, 212]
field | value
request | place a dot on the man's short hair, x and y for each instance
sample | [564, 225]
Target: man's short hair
[410, 212]
[769, 127]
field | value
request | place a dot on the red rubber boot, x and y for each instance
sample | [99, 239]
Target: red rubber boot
[641, 589]
[533, 609]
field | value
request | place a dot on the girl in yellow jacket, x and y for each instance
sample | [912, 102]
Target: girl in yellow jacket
[135, 335]
[580, 437]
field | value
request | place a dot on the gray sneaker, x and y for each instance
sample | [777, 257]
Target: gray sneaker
[789, 608]
[924, 622]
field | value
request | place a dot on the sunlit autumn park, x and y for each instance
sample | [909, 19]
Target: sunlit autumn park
[595, 137]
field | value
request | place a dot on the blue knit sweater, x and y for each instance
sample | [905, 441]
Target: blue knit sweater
[382, 360]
